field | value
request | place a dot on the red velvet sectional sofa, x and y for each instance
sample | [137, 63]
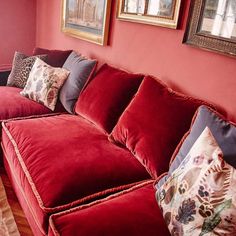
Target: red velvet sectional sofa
[92, 173]
[13, 105]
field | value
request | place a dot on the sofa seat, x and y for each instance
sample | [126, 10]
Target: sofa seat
[67, 163]
[133, 212]
[14, 105]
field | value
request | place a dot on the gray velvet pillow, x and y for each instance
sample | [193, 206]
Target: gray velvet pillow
[223, 131]
[80, 70]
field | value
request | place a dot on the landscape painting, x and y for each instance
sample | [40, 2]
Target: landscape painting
[86, 19]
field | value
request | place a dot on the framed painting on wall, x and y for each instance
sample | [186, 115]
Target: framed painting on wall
[155, 12]
[86, 19]
[212, 26]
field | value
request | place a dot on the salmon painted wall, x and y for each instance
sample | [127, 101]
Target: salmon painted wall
[17, 28]
[152, 50]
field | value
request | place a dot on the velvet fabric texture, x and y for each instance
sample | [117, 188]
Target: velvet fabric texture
[106, 96]
[80, 70]
[154, 123]
[55, 58]
[37, 230]
[14, 105]
[132, 213]
[77, 163]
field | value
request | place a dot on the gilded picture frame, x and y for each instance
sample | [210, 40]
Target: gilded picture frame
[163, 13]
[212, 26]
[86, 19]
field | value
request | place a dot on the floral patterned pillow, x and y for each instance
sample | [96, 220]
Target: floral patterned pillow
[199, 198]
[44, 83]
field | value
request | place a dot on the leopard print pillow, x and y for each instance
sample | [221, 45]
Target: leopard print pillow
[21, 68]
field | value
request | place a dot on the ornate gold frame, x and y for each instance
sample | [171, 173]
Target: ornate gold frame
[169, 22]
[90, 37]
[205, 41]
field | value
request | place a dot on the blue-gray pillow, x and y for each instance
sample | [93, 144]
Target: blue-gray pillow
[80, 70]
[223, 131]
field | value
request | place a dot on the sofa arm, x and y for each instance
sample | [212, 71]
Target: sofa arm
[3, 77]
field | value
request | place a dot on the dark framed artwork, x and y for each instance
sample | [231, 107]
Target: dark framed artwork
[154, 12]
[212, 26]
[86, 19]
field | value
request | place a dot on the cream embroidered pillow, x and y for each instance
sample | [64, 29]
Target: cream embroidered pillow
[44, 83]
[199, 198]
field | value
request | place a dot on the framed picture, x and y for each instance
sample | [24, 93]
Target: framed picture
[86, 19]
[212, 26]
[155, 12]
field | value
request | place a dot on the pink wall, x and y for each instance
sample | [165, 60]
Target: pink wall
[17, 28]
[153, 50]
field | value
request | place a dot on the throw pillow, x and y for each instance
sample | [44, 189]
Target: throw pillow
[199, 198]
[21, 68]
[80, 70]
[105, 96]
[44, 83]
[56, 58]
[153, 124]
[224, 132]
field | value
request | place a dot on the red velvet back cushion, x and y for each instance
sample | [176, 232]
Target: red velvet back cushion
[107, 95]
[56, 58]
[153, 124]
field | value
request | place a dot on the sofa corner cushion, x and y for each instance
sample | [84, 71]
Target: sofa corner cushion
[105, 96]
[153, 124]
[223, 130]
[133, 213]
[56, 58]
[77, 163]
[80, 69]
[14, 105]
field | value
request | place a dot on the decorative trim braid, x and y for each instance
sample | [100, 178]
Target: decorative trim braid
[23, 193]
[137, 186]
[65, 206]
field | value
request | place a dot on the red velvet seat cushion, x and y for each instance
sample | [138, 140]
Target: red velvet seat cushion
[132, 213]
[64, 160]
[55, 58]
[153, 124]
[106, 96]
[13, 105]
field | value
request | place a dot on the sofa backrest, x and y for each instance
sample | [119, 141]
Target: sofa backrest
[154, 123]
[106, 95]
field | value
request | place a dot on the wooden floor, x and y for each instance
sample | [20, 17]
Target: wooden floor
[19, 216]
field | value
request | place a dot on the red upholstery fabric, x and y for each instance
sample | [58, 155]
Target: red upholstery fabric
[55, 58]
[106, 96]
[23, 202]
[13, 105]
[153, 124]
[67, 163]
[134, 213]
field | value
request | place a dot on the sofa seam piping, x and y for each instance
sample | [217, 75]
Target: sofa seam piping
[68, 205]
[29, 205]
